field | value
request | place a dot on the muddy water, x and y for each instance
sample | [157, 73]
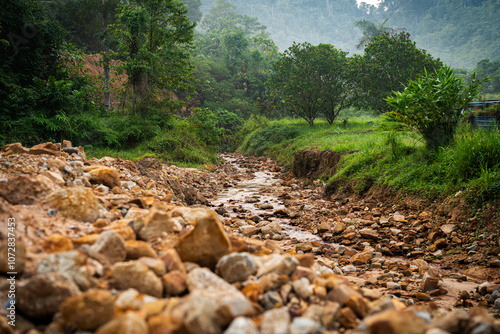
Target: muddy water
[246, 198]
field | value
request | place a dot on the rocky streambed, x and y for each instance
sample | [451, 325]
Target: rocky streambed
[113, 246]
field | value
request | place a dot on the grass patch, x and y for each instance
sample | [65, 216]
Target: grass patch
[377, 158]
[177, 145]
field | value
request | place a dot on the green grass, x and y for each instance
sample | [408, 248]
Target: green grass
[179, 146]
[399, 161]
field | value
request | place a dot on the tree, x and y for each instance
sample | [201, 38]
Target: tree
[486, 68]
[370, 31]
[194, 12]
[155, 38]
[388, 64]
[433, 105]
[310, 80]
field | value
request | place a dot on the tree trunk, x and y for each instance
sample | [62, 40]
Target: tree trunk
[105, 59]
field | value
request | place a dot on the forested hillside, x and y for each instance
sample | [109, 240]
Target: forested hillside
[460, 32]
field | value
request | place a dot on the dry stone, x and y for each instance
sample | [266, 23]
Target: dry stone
[73, 264]
[129, 323]
[89, 310]
[57, 243]
[76, 203]
[104, 175]
[395, 322]
[236, 267]
[26, 189]
[136, 275]
[111, 246]
[41, 296]
[276, 321]
[230, 302]
[241, 325]
[206, 243]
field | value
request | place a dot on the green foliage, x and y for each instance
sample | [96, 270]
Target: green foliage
[203, 123]
[475, 151]
[388, 64]
[433, 106]
[154, 39]
[486, 68]
[260, 140]
[231, 63]
[309, 80]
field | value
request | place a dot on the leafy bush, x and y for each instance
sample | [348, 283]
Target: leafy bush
[475, 150]
[203, 122]
[432, 106]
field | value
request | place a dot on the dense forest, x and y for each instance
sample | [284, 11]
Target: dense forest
[178, 78]
[459, 32]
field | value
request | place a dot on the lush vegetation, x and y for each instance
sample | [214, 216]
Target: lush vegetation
[460, 32]
[377, 158]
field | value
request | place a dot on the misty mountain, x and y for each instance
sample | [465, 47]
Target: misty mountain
[460, 32]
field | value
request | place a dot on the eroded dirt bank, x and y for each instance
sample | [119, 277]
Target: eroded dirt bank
[104, 245]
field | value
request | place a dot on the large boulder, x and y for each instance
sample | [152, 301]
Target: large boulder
[206, 243]
[26, 189]
[75, 203]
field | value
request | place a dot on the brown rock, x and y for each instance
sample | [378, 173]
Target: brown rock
[154, 264]
[89, 310]
[422, 296]
[137, 249]
[164, 324]
[395, 322]
[441, 243]
[41, 296]
[324, 227]
[347, 318]
[75, 203]
[172, 260]
[174, 283]
[57, 243]
[361, 258]
[26, 189]
[104, 175]
[206, 243]
[111, 246]
[305, 260]
[305, 247]
[133, 274]
[338, 228]
[429, 284]
[368, 233]
[359, 305]
[155, 223]
[6, 254]
[54, 176]
[129, 323]
[14, 148]
[251, 230]
[66, 143]
[46, 148]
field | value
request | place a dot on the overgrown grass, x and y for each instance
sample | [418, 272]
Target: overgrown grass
[377, 158]
[177, 144]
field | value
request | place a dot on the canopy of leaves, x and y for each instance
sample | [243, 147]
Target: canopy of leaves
[310, 80]
[154, 37]
[388, 64]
